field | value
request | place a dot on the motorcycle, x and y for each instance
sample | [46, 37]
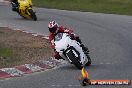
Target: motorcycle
[25, 9]
[71, 51]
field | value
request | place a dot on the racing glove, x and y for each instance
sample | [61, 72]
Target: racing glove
[57, 56]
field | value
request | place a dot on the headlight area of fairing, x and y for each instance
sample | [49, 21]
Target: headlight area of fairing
[62, 45]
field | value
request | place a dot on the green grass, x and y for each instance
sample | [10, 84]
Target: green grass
[5, 52]
[5, 57]
[104, 6]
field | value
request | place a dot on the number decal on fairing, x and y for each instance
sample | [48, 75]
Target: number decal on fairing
[75, 53]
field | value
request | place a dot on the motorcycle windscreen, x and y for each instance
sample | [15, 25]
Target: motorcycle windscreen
[24, 3]
[61, 41]
[58, 37]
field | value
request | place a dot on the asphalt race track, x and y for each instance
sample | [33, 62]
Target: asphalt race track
[108, 36]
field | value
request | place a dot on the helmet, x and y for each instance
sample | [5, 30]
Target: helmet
[53, 25]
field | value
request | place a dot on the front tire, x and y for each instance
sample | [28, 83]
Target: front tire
[33, 15]
[89, 60]
[74, 60]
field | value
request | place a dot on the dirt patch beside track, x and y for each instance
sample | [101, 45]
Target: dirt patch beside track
[17, 47]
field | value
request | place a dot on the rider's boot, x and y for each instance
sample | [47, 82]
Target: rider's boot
[14, 6]
[83, 47]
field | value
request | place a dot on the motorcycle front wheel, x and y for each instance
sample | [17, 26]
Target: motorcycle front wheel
[89, 61]
[74, 60]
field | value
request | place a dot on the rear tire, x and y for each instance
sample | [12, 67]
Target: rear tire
[74, 60]
[33, 15]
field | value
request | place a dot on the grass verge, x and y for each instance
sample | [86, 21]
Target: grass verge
[101, 6]
[5, 52]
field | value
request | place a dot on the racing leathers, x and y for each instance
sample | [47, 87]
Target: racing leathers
[62, 29]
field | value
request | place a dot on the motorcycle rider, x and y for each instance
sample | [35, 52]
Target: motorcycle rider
[15, 5]
[54, 28]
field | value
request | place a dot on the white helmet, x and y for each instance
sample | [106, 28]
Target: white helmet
[53, 25]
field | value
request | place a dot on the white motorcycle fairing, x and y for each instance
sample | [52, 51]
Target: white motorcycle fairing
[63, 42]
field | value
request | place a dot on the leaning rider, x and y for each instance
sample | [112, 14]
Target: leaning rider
[54, 28]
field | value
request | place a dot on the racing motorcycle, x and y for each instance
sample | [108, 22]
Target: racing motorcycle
[25, 9]
[71, 51]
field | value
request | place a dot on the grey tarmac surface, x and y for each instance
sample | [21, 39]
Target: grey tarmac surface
[108, 36]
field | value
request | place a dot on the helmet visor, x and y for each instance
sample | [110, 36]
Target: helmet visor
[52, 30]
